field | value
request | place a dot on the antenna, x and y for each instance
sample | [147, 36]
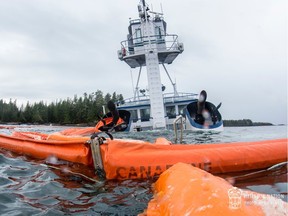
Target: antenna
[156, 13]
[161, 8]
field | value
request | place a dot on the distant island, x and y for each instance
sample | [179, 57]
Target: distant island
[244, 123]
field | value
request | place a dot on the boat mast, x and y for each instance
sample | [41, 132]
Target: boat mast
[153, 73]
[149, 45]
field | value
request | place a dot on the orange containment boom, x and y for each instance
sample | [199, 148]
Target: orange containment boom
[187, 190]
[131, 159]
[39, 146]
[135, 159]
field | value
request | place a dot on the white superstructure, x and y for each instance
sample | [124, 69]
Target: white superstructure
[148, 44]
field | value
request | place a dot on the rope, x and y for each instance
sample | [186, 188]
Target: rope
[274, 167]
[73, 173]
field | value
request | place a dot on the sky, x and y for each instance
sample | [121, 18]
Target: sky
[234, 49]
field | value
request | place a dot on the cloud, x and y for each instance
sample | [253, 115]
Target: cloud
[236, 50]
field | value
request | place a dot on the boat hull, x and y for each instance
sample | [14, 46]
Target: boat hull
[192, 125]
[209, 124]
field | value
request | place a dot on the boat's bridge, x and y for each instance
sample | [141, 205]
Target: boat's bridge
[166, 46]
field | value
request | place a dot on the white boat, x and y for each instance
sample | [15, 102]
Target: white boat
[149, 45]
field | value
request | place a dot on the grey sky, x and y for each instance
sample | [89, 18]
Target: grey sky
[235, 49]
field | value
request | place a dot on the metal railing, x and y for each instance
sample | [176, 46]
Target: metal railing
[167, 97]
[175, 126]
[135, 46]
[171, 97]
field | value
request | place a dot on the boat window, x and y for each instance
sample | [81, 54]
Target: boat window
[145, 114]
[171, 112]
[158, 32]
[138, 36]
[134, 116]
[181, 109]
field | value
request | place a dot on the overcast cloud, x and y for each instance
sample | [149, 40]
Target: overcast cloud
[235, 49]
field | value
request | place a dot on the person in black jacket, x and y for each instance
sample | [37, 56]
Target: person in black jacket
[115, 114]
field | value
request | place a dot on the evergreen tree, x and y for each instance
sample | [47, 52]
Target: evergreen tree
[85, 109]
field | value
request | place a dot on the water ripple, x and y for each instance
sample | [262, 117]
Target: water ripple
[27, 187]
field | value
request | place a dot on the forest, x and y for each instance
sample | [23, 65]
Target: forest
[85, 109]
[244, 123]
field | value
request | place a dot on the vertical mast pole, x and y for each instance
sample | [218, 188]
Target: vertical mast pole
[153, 73]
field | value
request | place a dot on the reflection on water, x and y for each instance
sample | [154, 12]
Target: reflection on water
[29, 187]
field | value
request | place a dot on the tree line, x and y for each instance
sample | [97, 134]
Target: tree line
[85, 109]
[244, 123]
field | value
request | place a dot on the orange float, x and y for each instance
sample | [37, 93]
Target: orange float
[36, 145]
[187, 190]
[103, 125]
[135, 159]
[131, 159]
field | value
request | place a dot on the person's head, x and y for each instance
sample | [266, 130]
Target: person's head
[111, 106]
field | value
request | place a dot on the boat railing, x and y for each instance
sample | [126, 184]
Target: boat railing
[164, 43]
[178, 122]
[141, 100]
[171, 97]
[167, 98]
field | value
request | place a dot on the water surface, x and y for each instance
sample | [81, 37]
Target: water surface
[30, 187]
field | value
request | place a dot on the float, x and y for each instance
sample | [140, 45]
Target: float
[136, 159]
[187, 190]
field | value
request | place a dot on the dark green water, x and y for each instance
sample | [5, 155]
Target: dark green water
[29, 187]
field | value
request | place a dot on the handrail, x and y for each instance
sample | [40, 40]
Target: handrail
[170, 41]
[178, 118]
[167, 97]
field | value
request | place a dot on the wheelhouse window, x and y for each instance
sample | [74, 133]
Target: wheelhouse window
[134, 116]
[181, 109]
[145, 114]
[138, 36]
[158, 32]
[171, 112]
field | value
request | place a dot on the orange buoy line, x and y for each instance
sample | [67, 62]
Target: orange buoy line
[35, 145]
[187, 190]
[135, 159]
[130, 159]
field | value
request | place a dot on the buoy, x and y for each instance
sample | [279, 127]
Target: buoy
[187, 190]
